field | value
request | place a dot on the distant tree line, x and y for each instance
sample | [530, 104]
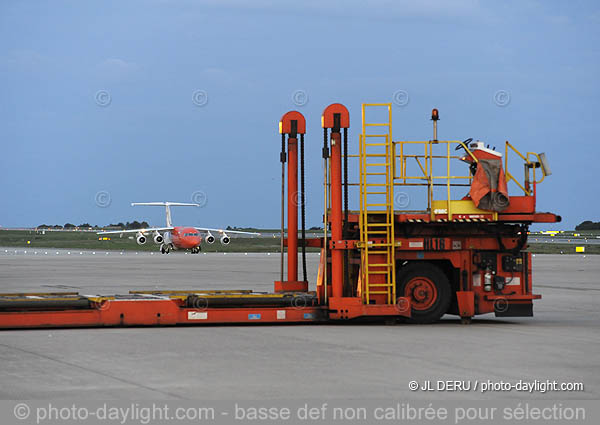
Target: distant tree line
[85, 226]
[588, 225]
[130, 225]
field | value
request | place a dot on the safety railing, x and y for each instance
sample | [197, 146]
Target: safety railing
[529, 169]
[425, 164]
[419, 163]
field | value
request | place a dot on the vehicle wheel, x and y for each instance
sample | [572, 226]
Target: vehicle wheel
[428, 289]
[162, 248]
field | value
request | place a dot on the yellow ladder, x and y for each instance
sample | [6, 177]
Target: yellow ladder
[377, 161]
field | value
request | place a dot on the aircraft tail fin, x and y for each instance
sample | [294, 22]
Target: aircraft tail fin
[167, 206]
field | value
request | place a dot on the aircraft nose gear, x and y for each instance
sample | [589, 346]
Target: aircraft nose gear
[195, 250]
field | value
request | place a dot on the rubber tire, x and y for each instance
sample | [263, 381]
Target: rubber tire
[439, 279]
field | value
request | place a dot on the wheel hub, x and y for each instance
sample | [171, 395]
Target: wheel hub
[422, 292]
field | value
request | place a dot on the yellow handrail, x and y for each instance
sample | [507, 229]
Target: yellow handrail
[425, 165]
[530, 165]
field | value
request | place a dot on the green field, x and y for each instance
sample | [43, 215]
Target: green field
[89, 240]
[559, 248]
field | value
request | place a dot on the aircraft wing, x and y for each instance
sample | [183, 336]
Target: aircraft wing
[146, 230]
[205, 229]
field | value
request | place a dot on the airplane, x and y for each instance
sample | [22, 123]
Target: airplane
[176, 237]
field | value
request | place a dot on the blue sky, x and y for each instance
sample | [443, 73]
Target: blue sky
[58, 60]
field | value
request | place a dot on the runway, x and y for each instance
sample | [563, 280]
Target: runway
[229, 363]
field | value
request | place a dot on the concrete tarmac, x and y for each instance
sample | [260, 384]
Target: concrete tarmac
[231, 363]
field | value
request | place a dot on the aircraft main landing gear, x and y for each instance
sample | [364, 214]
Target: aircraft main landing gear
[165, 248]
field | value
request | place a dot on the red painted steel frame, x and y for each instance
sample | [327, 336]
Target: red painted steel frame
[156, 313]
[286, 127]
[328, 116]
[286, 122]
[328, 121]
[337, 264]
[292, 205]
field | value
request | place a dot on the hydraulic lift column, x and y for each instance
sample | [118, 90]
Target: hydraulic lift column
[292, 124]
[336, 117]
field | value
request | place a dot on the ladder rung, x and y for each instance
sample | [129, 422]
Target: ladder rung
[380, 265]
[376, 174]
[379, 224]
[377, 124]
[377, 135]
[378, 205]
[378, 272]
[378, 252]
[377, 232]
[379, 292]
[376, 193]
[378, 164]
[380, 285]
[376, 155]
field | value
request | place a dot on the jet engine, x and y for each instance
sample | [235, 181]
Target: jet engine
[225, 239]
[158, 239]
[209, 238]
[140, 239]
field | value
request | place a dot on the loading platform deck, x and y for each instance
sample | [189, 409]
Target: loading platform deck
[156, 308]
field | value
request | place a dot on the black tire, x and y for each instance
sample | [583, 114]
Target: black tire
[427, 287]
